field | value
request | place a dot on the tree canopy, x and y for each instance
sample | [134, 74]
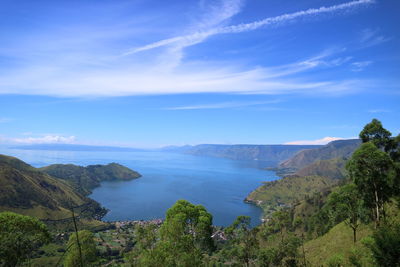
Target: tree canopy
[184, 219]
[375, 133]
[346, 203]
[372, 170]
[184, 237]
[19, 236]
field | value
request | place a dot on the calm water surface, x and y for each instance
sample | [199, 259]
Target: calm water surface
[218, 184]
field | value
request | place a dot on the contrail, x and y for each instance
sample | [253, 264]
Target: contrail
[199, 36]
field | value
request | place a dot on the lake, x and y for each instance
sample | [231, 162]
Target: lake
[216, 183]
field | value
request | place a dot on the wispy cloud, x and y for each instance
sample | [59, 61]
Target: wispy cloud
[223, 105]
[215, 15]
[196, 37]
[371, 37]
[46, 139]
[147, 79]
[373, 111]
[360, 65]
[322, 141]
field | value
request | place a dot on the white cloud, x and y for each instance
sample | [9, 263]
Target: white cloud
[197, 37]
[47, 139]
[223, 105]
[360, 65]
[322, 141]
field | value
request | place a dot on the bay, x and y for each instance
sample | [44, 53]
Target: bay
[216, 183]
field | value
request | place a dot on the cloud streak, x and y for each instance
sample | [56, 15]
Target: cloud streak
[223, 105]
[134, 81]
[47, 139]
[372, 37]
[360, 65]
[199, 36]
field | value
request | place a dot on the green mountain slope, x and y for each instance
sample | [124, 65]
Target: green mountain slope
[331, 168]
[26, 190]
[336, 149]
[338, 242]
[84, 179]
[282, 193]
[309, 171]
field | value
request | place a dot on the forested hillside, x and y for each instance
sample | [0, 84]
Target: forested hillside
[26, 190]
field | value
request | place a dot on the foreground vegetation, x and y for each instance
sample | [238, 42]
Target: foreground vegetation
[316, 221]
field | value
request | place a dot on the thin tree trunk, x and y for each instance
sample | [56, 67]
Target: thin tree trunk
[354, 234]
[77, 238]
[377, 209]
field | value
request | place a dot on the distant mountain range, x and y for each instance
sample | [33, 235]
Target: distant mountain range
[271, 154]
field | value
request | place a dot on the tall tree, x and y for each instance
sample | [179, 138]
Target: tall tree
[372, 170]
[19, 236]
[87, 250]
[382, 138]
[346, 203]
[375, 133]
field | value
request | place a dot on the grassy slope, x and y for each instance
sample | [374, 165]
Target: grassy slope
[332, 168]
[338, 241]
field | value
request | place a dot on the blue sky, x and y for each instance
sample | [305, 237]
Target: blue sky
[153, 73]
